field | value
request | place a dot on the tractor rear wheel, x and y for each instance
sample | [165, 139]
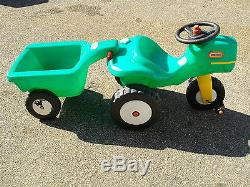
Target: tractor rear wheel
[135, 107]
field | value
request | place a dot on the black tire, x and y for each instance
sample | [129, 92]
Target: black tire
[43, 105]
[193, 89]
[144, 113]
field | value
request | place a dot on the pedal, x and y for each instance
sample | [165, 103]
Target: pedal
[220, 109]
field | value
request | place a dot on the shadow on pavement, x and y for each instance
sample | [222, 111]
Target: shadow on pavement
[21, 3]
[179, 127]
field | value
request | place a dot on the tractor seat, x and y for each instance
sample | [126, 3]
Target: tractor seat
[153, 52]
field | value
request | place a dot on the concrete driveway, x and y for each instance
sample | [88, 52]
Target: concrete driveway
[186, 147]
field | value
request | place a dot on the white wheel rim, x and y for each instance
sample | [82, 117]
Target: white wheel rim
[199, 98]
[42, 107]
[136, 112]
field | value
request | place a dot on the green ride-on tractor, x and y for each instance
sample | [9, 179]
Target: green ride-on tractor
[59, 69]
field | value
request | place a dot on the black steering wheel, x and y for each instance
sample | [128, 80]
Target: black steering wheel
[195, 34]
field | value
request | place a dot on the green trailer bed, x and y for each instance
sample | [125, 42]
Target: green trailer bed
[59, 67]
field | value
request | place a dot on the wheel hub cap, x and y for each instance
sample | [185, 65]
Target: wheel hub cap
[136, 112]
[199, 98]
[42, 107]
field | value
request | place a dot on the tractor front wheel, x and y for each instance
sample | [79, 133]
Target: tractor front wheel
[194, 98]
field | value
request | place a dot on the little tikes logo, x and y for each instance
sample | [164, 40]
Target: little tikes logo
[215, 54]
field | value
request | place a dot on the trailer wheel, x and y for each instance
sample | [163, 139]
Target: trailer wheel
[135, 107]
[43, 105]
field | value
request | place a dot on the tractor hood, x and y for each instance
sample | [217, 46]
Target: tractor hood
[219, 54]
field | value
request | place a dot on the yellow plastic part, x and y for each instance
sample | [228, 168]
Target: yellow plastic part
[205, 86]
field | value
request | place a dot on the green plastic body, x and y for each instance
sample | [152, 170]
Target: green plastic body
[61, 67]
[142, 61]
